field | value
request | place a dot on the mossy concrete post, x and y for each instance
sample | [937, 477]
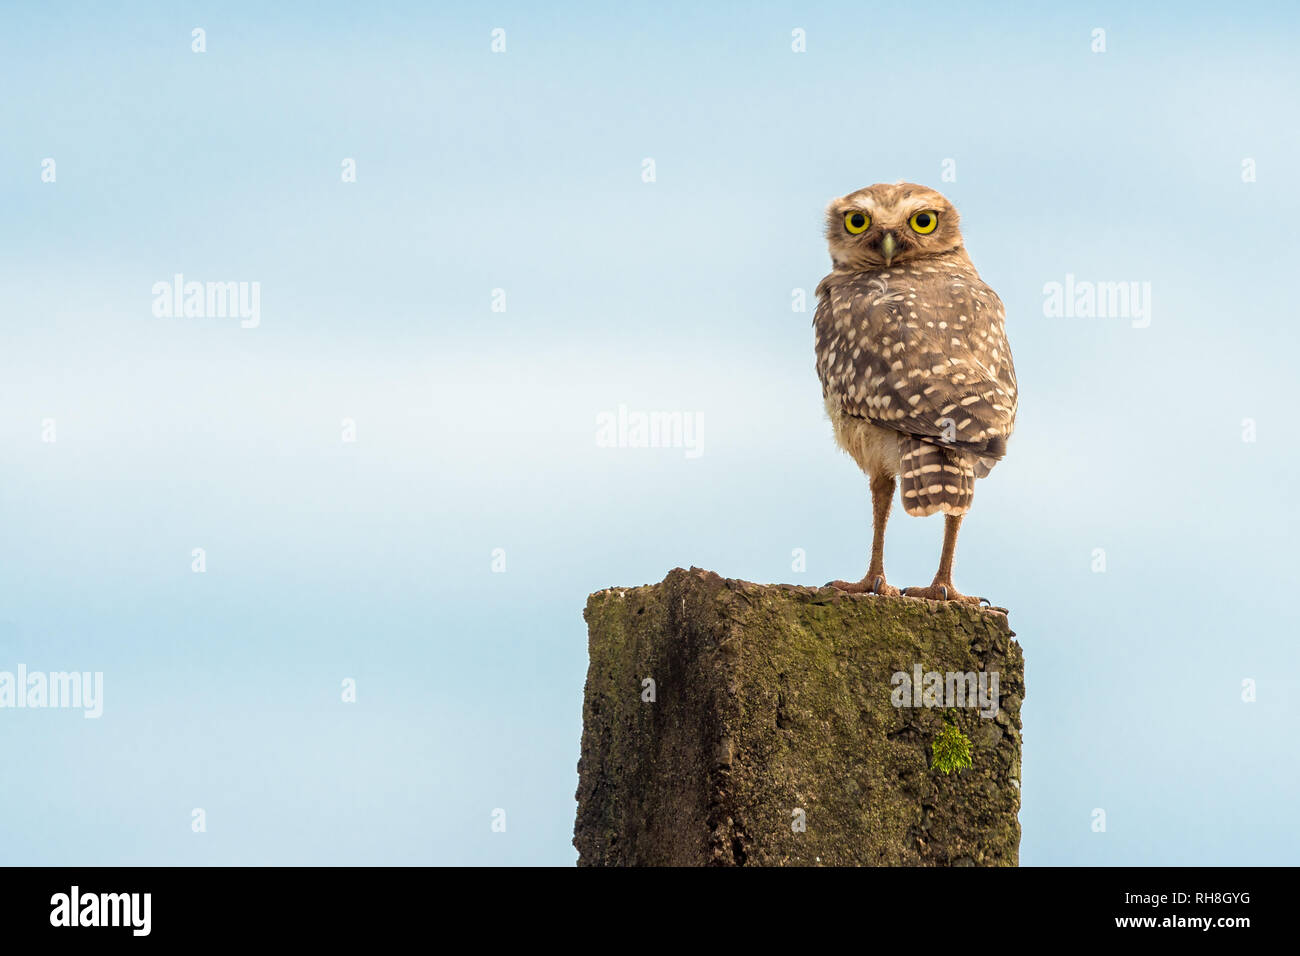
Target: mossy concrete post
[731, 723]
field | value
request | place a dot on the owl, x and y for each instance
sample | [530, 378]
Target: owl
[914, 364]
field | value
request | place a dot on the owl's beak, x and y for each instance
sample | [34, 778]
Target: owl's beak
[888, 246]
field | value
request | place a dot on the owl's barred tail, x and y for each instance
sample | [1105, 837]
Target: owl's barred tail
[935, 478]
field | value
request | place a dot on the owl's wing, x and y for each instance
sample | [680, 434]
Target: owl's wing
[926, 356]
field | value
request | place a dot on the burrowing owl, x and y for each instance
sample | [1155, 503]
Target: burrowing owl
[913, 358]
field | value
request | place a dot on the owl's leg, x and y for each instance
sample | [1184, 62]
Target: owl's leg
[941, 588]
[882, 498]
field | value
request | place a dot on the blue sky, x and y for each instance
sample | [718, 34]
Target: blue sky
[522, 171]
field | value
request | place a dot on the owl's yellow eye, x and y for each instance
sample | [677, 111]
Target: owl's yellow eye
[924, 221]
[857, 222]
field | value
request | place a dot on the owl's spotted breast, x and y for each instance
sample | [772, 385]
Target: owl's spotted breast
[919, 348]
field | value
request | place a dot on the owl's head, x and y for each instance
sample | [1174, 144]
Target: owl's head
[884, 224]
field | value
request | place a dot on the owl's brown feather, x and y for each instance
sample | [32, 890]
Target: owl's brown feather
[920, 349]
[935, 478]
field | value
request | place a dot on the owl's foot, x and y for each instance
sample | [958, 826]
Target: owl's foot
[871, 584]
[942, 592]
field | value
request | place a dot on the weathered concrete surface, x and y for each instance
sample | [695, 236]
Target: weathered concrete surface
[775, 698]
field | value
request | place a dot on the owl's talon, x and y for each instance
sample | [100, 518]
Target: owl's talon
[849, 587]
[874, 585]
[940, 592]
